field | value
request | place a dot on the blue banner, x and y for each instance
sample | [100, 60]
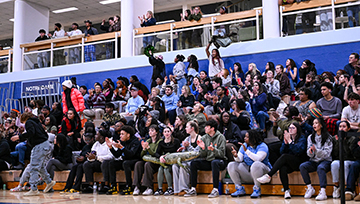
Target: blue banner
[41, 87]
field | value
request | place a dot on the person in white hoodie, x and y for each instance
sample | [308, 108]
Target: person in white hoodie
[179, 71]
[99, 152]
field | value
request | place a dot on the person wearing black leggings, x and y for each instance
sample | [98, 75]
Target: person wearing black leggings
[293, 153]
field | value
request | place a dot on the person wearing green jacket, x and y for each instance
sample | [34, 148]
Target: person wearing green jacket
[199, 116]
[147, 169]
[212, 153]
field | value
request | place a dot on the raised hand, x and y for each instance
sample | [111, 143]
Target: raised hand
[243, 145]
[211, 147]
[201, 144]
[234, 152]
[108, 142]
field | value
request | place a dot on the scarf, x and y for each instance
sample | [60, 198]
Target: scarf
[69, 103]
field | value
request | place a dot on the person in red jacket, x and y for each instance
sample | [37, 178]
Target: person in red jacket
[72, 98]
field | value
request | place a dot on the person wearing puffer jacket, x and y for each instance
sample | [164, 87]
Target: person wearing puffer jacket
[72, 98]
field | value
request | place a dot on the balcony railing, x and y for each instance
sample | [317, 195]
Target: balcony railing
[167, 37]
[5, 61]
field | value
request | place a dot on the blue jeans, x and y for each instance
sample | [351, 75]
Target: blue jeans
[321, 167]
[20, 150]
[261, 118]
[181, 83]
[351, 11]
[90, 53]
[38, 161]
[353, 175]
[148, 40]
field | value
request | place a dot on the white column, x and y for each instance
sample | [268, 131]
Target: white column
[271, 19]
[29, 18]
[185, 7]
[130, 10]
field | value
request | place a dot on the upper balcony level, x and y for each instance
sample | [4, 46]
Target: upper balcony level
[294, 19]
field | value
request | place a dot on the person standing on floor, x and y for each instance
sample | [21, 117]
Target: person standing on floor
[37, 138]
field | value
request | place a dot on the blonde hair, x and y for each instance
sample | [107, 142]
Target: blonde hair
[156, 89]
[151, 14]
[187, 88]
[253, 72]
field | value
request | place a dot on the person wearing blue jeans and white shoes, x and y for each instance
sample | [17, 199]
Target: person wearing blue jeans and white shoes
[348, 157]
[251, 162]
[38, 138]
[319, 148]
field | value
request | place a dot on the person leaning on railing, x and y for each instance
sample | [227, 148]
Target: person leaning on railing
[112, 27]
[90, 50]
[196, 15]
[74, 53]
[42, 57]
[146, 21]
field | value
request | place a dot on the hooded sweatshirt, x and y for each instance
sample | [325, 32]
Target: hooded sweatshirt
[35, 133]
[219, 143]
[131, 150]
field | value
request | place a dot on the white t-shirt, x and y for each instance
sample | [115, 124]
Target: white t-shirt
[215, 69]
[74, 32]
[59, 34]
[352, 115]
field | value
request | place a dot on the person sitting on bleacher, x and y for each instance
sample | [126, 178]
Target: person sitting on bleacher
[353, 172]
[293, 153]
[319, 148]
[99, 152]
[197, 115]
[127, 150]
[77, 170]
[62, 156]
[110, 117]
[251, 162]
[5, 157]
[133, 104]
[170, 99]
[212, 149]
[97, 101]
[348, 157]
[71, 127]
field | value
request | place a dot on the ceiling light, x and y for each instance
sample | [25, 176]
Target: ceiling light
[109, 1]
[12, 19]
[65, 10]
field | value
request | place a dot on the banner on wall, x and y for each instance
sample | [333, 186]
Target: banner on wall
[41, 87]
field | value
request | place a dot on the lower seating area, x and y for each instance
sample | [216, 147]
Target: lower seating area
[297, 186]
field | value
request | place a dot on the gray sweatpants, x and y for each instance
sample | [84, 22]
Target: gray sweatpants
[38, 161]
[56, 165]
[160, 176]
[181, 178]
[242, 173]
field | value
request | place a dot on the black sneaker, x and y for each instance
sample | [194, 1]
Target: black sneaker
[88, 189]
[112, 191]
[158, 192]
[169, 192]
[126, 191]
[104, 189]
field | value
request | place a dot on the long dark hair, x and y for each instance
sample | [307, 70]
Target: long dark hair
[76, 121]
[255, 138]
[239, 67]
[292, 63]
[61, 139]
[324, 132]
[298, 131]
[159, 104]
[221, 124]
[218, 57]
[89, 128]
[193, 63]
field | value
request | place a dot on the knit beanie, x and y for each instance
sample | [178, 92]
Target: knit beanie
[315, 113]
[67, 83]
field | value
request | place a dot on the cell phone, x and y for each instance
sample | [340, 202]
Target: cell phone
[93, 152]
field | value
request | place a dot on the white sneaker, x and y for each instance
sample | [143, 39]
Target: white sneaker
[321, 195]
[336, 192]
[309, 192]
[32, 193]
[136, 191]
[49, 186]
[214, 193]
[148, 192]
[17, 189]
[287, 194]
[264, 179]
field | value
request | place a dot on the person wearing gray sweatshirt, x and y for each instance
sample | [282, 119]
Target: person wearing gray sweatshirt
[319, 148]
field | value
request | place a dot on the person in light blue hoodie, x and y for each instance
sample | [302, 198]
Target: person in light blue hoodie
[170, 99]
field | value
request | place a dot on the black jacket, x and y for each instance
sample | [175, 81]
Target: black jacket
[232, 133]
[355, 149]
[131, 149]
[222, 103]
[5, 151]
[64, 155]
[165, 148]
[158, 68]
[188, 101]
[35, 133]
